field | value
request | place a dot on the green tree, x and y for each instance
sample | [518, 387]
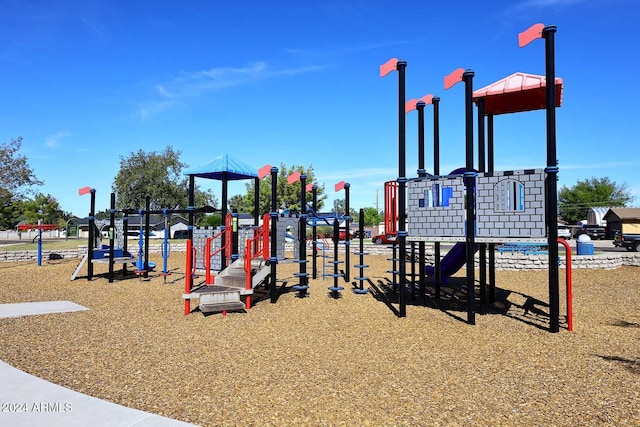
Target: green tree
[574, 203]
[106, 214]
[11, 214]
[237, 202]
[288, 195]
[159, 176]
[43, 207]
[339, 207]
[213, 220]
[371, 217]
[16, 176]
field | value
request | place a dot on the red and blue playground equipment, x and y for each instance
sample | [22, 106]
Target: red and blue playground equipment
[546, 96]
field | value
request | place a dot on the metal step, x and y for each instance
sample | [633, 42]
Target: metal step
[214, 299]
[235, 276]
[221, 306]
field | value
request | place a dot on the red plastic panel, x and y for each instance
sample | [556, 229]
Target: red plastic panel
[388, 67]
[453, 78]
[264, 171]
[530, 34]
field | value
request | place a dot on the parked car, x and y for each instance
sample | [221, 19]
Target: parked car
[366, 234]
[384, 239]
[631, 242]
[564, 232]
[594, 231]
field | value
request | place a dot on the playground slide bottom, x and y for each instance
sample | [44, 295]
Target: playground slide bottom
[140, 265]
[451, 263]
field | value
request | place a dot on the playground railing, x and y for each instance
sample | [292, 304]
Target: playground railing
[208, 254]
[256, 247]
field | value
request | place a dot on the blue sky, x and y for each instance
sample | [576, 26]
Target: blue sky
[296, 82]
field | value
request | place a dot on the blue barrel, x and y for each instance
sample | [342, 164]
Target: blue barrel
[585, 248]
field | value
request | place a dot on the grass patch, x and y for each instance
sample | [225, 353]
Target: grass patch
[46, 245]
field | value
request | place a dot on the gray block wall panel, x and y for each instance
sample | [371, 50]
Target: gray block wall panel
[448, 222]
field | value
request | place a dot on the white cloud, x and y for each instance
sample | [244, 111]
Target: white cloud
[602, 165]
[196, 83]
[53, 141]
[343, 50]
[519, 8]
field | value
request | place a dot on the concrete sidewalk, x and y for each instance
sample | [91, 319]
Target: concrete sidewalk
[36, 308]
[28, 401]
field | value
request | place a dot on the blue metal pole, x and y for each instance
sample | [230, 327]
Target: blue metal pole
[39, 244]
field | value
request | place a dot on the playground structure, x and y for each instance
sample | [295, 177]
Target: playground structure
[234, 264]
[472, 207]
[116, 252]
[477, 207]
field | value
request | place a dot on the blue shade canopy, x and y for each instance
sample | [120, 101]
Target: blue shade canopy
[222, 168]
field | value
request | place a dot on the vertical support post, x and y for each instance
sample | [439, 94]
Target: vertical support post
[469, 181]
[125, 228]
[402, 183]
[39, 242]
[482, 252]
[361, 266]
[92, 237]
[336, 242]
[165, 245]
[552, 179]
[386, 68]
[188, 278]
[273, 259]
[551, 185]
[421, 174]
[256, 202]
[437, 278]
[191, 207]
[112, 219]
[492, 246]
[303, 232]
[147, 204]
[314, 232]
[347, 234]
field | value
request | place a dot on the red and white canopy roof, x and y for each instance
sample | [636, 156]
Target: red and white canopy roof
[517, 92]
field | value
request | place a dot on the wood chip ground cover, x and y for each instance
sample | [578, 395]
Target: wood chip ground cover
[336, 362]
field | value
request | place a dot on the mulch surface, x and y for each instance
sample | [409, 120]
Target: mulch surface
[336, 362]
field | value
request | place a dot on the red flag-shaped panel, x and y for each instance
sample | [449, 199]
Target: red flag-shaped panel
[453, 78]
[309, 187]
[388, 67]
[84, 190]
[530, 34]
[427, 99]
[410, 105]
[339, 186]
[264, 171]
[294, 177]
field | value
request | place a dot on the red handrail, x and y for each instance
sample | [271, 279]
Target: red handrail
[390, 207]
[255, 247]
[225, 237]
[569, 284]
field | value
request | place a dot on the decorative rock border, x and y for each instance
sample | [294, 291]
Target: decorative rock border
[504, 261]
